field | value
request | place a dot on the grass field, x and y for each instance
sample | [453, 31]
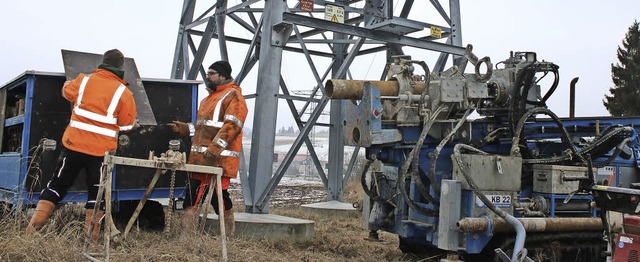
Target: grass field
[335, 239]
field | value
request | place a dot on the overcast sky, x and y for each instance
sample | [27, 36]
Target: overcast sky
[579, 36]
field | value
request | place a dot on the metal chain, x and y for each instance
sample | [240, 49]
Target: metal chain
[167, 225]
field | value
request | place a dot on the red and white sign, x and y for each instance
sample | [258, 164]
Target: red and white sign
[306, 5]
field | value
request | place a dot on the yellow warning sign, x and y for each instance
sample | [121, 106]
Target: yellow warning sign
[436, 32]
[334, 13]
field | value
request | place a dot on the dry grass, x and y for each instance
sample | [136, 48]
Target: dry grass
[335, 239]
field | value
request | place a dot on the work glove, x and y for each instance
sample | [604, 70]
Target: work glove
[207, 154]
[180, 128]
[136, 125]
[213, 150]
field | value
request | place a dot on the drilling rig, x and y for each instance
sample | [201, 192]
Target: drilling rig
[517, 180]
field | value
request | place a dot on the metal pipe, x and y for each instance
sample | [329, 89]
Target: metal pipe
[572, 97]
[521, 234]
[479, 225]
[352, 89]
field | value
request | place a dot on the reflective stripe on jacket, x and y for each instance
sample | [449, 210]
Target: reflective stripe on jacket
[103, 106]
[218, 129]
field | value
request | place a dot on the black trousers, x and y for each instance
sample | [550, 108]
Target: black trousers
[70, 164]
[192, 195]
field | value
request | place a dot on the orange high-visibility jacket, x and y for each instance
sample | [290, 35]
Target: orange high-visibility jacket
[218, 130]
[102, 106]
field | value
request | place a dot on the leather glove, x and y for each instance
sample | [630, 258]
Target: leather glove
[136, 125]
[213, 150]
[180, 128]
[207, 154]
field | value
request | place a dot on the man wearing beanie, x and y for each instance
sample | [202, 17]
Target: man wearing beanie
[217, 139]
[92, 131]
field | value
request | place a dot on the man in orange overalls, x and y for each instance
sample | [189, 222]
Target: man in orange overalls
[217, 138]
[103, 106]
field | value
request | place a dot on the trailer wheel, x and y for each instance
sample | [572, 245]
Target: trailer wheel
[151, 216]
[5, 208]
[408, 247]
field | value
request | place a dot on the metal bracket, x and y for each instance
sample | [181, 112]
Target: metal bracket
[280, 34]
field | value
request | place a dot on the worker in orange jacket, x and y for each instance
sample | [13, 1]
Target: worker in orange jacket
[103, 106]
[217, 138]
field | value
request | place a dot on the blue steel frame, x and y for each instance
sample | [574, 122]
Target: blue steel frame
[13, 166]
[418, 228]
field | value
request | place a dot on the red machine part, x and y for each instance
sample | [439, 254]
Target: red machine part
[632, 225]
[628, 243]
[627, 248]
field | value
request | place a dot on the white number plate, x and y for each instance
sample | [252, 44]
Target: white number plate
[497, 200]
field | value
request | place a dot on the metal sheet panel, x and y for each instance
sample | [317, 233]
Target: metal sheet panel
[80, 62]
[450, 204]
[171, 101]
[9, 173]
[490, 172]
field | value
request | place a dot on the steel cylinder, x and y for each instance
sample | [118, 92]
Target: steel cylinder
[534, 224]
[352, 89]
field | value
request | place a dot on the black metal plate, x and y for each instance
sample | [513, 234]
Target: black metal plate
[50, 116]
[624, 200]
[79, 62]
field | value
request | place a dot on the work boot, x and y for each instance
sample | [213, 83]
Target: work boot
[40, 215]
[229, 223]
[95, 234]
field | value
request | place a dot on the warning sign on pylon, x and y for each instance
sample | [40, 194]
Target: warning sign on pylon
[306, 5]
[334, 13]
[436, 32]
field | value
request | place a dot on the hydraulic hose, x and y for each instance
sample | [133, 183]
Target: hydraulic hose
[519, 228]
[489, 137]
[416, 176]
[540, 110]
[524, 82]
[615, 154]
[599, 141]
[436, 152]
[373, 195]
[424, 192]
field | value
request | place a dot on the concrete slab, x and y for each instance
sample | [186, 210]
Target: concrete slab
[266, 226]
[332, 208]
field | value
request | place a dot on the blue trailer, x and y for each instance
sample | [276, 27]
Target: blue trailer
[34, 116]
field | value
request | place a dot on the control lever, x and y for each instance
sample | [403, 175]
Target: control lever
[585, 183]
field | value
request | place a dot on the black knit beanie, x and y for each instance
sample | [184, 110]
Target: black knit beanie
[223, 68]
[113, 57]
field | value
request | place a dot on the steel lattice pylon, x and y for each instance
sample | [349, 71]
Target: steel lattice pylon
[279, 26]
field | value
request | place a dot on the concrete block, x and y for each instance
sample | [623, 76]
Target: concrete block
[266, 226]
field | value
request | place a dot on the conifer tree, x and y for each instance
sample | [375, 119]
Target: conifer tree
[625, 95]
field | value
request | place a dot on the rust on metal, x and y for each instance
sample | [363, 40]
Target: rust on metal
[352, 89]
[583, 224]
